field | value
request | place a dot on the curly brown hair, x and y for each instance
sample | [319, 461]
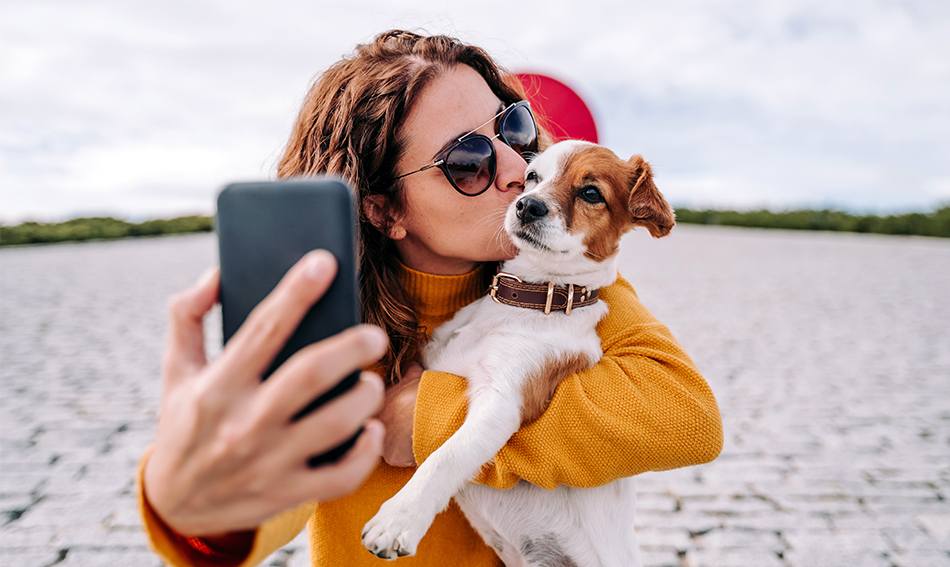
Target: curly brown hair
[350, 126]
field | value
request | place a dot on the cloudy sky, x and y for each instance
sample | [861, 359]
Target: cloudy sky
[145, 108]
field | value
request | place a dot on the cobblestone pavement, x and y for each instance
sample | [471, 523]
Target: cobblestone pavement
[829, 354]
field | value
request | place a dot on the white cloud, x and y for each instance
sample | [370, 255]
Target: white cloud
[148, 106]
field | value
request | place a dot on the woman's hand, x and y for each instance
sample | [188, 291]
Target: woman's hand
[397, 415]
[226, 456]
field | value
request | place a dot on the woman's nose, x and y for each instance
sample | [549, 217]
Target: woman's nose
[511, 167]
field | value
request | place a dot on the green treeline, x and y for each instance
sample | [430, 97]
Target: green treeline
[99, 228]
[936, 223]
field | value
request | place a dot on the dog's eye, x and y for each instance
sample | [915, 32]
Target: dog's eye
[532, 176]
[591, 194]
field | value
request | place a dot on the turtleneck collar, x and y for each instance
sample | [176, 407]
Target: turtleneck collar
[437, 298]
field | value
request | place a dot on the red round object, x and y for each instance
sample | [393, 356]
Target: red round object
[558, 108]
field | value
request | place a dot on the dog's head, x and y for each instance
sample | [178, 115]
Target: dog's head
[580, 199]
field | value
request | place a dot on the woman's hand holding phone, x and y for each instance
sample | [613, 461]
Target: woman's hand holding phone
[227, 454]
[397, 415]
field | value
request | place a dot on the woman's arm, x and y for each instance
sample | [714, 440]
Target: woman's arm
[238, 549]
[644, 406]
[228, 456]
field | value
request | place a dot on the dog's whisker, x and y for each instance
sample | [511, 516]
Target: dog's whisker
[498, 234]
[492, 216]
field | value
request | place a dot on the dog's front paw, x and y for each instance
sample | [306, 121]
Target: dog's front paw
[395, 531]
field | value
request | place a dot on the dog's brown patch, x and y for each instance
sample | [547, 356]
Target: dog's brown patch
[538, 389]
[631, 199]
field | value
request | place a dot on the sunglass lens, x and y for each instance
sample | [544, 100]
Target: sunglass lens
[519, 130]
[471, 165]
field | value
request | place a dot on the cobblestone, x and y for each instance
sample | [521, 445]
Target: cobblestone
[829, 355]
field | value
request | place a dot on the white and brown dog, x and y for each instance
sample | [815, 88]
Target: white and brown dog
[514, 347]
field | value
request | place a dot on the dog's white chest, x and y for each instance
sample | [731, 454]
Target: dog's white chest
[486, 334]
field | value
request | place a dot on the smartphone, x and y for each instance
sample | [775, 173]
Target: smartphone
[263, 229]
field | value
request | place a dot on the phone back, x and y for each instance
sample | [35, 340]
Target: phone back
[265, 228]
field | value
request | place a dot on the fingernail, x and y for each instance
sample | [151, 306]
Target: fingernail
[373, 380]
[373, 433]
[377, 338]
[317, 264]
[374, 429]
[207, 276]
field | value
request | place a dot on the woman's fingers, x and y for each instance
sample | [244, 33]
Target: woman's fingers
[185, 352]
[315, 369]
[334, 422]
[413, 371]
[253, 347]
[398, 415]
[346, 475]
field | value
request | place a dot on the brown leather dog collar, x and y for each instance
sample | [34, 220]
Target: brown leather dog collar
[510, 290]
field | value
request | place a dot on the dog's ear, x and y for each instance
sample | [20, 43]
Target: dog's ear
[647, 206]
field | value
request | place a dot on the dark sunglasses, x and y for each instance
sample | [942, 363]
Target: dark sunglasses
[470, 163]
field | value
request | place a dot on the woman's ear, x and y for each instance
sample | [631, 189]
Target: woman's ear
[396, 231]
[375, 209]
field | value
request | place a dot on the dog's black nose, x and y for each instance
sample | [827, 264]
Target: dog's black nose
[530, 209]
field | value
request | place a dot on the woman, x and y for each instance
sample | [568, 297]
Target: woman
[383, 120]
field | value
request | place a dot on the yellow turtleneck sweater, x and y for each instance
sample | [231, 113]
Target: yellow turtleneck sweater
[643, 407]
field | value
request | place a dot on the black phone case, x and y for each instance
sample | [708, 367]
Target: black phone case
[265, 228]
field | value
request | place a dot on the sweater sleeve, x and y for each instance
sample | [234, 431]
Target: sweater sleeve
[269, 537]
[644, 406]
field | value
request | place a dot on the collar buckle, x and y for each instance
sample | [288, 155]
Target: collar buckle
[493, 289]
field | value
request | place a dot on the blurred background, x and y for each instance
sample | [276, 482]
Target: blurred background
[828, 352]
[144, 109]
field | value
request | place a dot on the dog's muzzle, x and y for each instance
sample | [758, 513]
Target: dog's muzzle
[530, 209]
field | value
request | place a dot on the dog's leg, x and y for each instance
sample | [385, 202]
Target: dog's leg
[493, 417]
[488, 511]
